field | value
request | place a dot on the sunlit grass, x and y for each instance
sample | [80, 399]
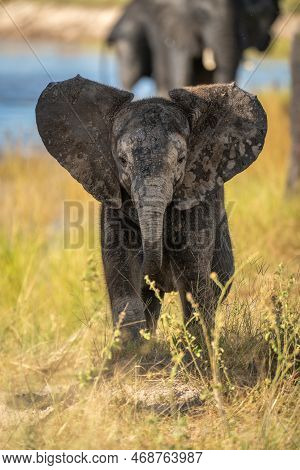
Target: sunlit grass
[56, 328]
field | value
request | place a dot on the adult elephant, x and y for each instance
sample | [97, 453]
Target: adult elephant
[167, 39]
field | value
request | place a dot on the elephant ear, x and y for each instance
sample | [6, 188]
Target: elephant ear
[74, 119]
[228, 129]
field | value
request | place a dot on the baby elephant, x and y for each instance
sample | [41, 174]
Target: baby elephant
[159, 167]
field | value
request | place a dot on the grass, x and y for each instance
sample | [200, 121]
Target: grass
[58, 387]
[291, 5]
[280, 49]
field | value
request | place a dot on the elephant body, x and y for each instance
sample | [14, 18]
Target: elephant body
[196, 242]
[159, 167]
[167, 39]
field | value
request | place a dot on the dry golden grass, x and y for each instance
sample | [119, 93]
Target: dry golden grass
[58, 388]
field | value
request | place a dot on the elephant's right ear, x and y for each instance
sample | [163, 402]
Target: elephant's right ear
[74, 119]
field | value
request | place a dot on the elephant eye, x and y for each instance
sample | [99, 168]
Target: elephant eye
[123, 160]
[180, 158]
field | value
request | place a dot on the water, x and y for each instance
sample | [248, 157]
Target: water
[26, 70]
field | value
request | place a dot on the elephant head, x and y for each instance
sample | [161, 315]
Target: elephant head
[161, 152]
[255, 21]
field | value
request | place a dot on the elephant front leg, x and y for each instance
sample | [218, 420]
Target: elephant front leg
[128, 313]
[192, 269]
[123, 279]
[122, 262]
[152, 308]
[223, 259]
[203, 295]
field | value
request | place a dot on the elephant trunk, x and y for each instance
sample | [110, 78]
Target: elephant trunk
[151, 224]
[151, 201]
[224, 43]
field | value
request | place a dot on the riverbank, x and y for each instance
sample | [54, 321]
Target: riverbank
[69, 22]
[53, 21]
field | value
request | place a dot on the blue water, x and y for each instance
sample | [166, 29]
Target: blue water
[26, 69]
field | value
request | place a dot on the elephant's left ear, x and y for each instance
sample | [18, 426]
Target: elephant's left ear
[228, 130]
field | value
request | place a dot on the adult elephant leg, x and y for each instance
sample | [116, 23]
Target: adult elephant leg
[122, 263]
[134, 57]
[181, 68]
[172, 68]
[129, 62]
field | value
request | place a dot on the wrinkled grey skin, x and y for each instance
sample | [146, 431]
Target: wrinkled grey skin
[159, 167]
[165, 39]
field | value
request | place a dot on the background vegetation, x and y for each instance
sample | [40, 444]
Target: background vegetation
[289, 5]
[59, 387]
